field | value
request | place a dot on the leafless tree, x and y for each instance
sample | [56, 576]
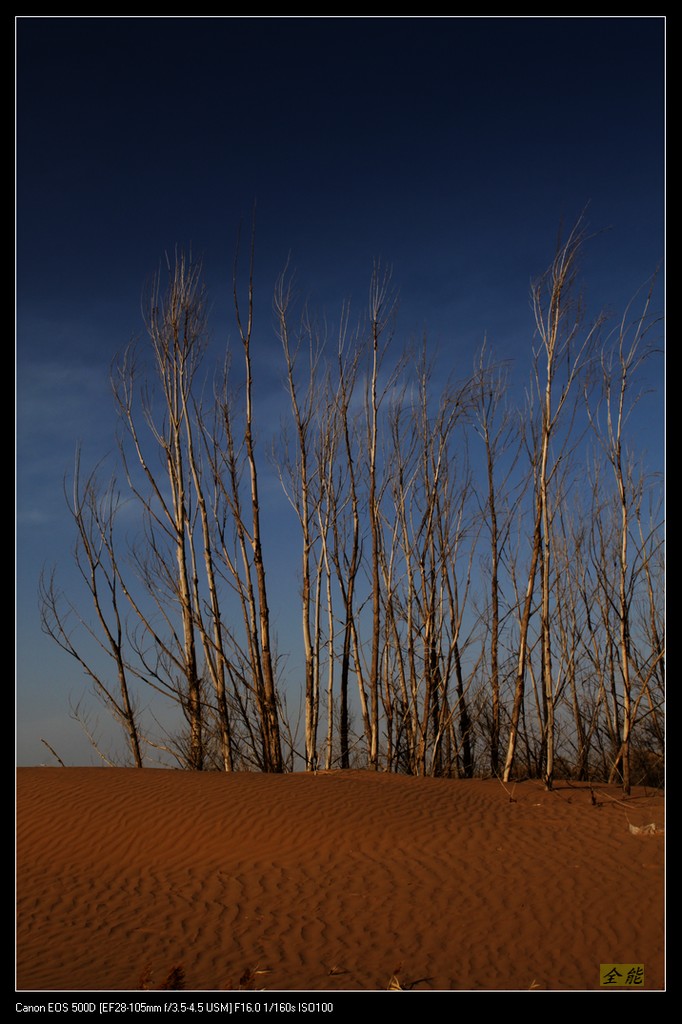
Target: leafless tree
[93, 509]
[238, 523]
[497, 429]
[158, 426]
[560, 356]
[301, 480]
[620, 362]
[557, 664]
[575, 627]
[342, 496]
[381, 313]
[524, 600]
[423, 599]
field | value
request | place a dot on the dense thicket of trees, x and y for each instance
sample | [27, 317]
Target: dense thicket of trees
[480, 584]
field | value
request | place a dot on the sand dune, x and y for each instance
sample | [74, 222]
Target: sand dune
[339, 881]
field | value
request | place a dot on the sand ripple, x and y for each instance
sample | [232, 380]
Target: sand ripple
[330, 882]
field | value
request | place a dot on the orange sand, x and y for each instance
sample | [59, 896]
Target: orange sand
[333, 881]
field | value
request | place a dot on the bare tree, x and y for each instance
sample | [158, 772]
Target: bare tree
[422, 598]
[561, 350]
[303, 488]
[176, 327]
[575, 607]
[650, 540]
[381, 310]
[375, 464]
[497, 430]
[620, 363]
[325, 456]
[93, 510]
[250, 536]
[524, 602]
[342, 495]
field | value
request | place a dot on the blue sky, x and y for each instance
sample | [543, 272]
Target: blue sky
[449, 148]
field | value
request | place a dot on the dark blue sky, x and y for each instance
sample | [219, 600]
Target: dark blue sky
[450, 148]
